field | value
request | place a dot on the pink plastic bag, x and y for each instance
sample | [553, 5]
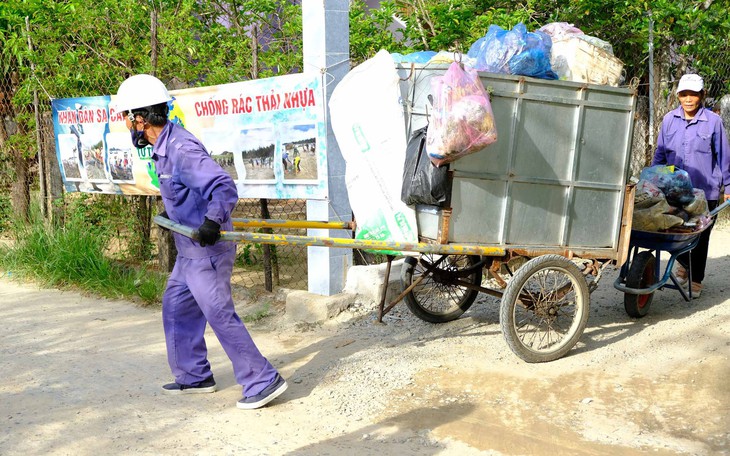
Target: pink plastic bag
[462, 121]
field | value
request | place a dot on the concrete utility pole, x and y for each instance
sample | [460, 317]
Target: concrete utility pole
[326, 29]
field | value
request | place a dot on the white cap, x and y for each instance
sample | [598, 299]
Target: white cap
[140, 91]
[691, 82]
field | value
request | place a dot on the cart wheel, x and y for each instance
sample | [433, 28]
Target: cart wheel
[544, 309]
[641, 275]
[438, 299]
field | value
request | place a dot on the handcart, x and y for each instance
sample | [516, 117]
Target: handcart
[542, 212]
[544, 305]
[640, 276]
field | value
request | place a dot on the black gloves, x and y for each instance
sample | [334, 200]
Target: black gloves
[209, 232]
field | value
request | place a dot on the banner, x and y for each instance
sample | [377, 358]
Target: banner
[268, 134]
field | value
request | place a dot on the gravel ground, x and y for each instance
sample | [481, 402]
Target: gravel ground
[83, 377]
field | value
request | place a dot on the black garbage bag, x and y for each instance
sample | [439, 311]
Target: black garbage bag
[423, 182]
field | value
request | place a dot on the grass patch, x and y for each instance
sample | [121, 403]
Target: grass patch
[72, 256]
[259, 314]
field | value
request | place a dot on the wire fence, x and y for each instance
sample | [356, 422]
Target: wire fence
[288, 263]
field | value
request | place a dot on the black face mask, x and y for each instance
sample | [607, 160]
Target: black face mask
[138, 139]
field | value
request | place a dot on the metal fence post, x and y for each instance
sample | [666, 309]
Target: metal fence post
[37, 116]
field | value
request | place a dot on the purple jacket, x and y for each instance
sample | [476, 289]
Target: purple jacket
[699, 147]
[193, 186]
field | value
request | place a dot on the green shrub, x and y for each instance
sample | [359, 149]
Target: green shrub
[73, 256]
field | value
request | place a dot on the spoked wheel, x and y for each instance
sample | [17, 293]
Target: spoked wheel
[544, 309]
[641, 274]
[439, 297]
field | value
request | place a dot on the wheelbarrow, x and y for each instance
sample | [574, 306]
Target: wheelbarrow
[640, 276]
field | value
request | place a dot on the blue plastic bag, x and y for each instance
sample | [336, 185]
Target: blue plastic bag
[413, 57]
[675, 183]
[515, 51]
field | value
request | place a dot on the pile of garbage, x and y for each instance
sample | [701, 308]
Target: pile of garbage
[557, 50]
[462, 121]
[665, 201]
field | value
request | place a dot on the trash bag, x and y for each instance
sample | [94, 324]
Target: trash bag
[646, 194]
[655, 217]
[560, 30]
[675, 183]
[515, 51]
[534, 60]
[605, 45]
[699, 205]
[493, 51]
[462, 121]
[423, 182]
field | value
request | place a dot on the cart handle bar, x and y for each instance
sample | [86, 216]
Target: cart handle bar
[263, 238]
[291, 224]
[719, 208]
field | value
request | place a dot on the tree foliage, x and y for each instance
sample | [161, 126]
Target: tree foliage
[84, 48]
[689, 35]
[89, 47]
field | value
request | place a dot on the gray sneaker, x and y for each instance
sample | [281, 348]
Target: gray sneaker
[271, 392]
[205, 386]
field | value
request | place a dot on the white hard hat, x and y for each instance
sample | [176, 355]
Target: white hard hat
[139, 91]
[691, 82]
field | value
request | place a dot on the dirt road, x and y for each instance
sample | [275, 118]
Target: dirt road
[82, 376]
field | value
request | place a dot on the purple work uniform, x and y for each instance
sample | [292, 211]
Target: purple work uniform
[699, 147]
[194, 186]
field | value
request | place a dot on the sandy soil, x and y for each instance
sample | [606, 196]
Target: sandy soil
[82, 376]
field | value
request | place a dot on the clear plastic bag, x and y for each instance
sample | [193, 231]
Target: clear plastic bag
[462, 121]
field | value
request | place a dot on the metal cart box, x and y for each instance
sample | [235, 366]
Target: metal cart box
[556, 176]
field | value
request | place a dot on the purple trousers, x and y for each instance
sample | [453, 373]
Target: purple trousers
[199, 292]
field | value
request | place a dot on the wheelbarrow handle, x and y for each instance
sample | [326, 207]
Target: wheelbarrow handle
[719, 208]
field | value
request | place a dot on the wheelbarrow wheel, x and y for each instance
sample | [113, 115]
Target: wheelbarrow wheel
[438, 298]
[641, 274]
[544, 309]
